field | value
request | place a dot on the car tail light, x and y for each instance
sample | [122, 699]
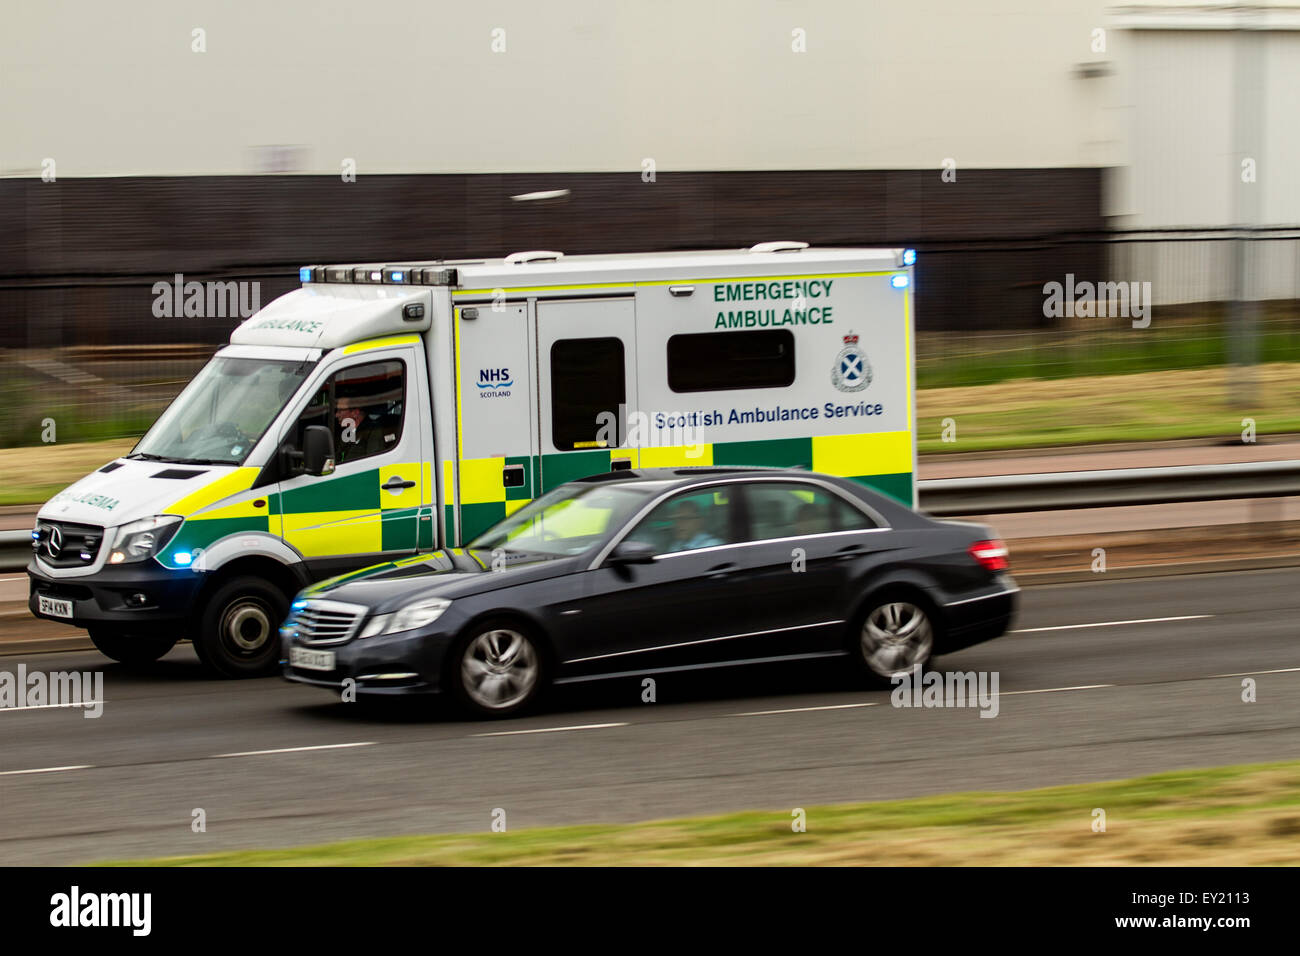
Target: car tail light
[991, 554]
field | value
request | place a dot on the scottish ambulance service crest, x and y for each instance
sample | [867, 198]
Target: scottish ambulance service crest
[852, 371]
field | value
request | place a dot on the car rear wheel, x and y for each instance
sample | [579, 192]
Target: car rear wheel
[238, 634]
[127, 648]
[497, 670]
[894, 635]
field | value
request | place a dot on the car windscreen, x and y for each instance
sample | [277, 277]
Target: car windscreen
[221, 414]
[565, 521]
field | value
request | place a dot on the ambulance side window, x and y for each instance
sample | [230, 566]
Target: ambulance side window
[364, 406]
[587, 389]
[717, 361]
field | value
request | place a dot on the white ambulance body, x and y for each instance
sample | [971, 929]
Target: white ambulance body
[386, 410]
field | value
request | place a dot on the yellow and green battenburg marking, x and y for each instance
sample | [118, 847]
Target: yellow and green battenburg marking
[882, 461]
[330, 516]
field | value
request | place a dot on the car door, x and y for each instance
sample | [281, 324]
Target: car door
[677, 610]
[370, 508]
[801, 539]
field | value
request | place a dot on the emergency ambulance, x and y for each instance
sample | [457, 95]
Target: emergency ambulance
[385, 410]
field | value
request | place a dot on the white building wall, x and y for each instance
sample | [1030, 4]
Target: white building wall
[413, 86]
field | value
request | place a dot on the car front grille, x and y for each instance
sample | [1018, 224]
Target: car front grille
[63, 544]
[324, 622]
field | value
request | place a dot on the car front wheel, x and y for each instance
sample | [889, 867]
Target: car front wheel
[894, 635]
[497, 670]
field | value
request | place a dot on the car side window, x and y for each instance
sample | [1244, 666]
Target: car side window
[783, 510]
[694, 519]
[364, 405]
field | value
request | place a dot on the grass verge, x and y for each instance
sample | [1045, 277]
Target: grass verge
[34, 475]
[1151, 406]
[1237, 815]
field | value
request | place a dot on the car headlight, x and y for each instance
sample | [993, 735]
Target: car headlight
[406, 619]
[143, 539]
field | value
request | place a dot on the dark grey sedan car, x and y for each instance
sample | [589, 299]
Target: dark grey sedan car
[653, 571]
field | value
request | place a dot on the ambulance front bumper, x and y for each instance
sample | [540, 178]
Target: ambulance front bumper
[143, 594]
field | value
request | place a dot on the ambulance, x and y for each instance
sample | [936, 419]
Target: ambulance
[383, 411]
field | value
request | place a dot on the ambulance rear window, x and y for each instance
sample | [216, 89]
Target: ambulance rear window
[719, 361]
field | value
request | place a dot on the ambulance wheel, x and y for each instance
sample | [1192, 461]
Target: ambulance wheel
[238, 632]
[126, 648]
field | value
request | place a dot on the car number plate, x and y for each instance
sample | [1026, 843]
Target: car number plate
[54, 607]
[311, 660]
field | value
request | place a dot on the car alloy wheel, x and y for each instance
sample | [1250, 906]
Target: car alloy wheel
[896, 636]
[499, 669]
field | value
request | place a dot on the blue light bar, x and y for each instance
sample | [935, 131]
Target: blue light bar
[909, 257]
[182, 557]
[304, 274]
[397, 276]
[898, 282]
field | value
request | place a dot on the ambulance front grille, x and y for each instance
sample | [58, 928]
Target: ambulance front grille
[325, 622]
[63, 544]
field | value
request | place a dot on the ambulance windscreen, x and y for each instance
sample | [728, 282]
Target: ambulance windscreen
[221, 414]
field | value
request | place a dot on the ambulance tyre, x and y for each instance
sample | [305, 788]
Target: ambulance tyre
[238, 631]
[130, 649]
[497, 668]
[893, 633]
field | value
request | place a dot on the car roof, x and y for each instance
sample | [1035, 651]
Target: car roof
[686, 475]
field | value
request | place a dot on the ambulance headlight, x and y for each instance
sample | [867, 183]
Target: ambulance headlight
[143, 539]
[408, 618]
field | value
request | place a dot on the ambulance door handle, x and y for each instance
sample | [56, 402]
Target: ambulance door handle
[621, 464]
[395, 483]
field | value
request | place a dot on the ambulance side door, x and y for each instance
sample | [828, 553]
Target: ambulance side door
[587, 387]
[369, 508]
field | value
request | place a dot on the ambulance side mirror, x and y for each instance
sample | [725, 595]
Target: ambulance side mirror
[317, 450]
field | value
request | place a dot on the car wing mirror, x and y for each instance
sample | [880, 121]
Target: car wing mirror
[317, 450]
[632, 552]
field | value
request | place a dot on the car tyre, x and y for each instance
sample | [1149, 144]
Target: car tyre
[894, 633]
[497, 669]
[130, 648]
[238, 632]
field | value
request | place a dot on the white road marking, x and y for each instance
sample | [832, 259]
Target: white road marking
[1144, 620]
[13, 577]
[1280, 670]
[804, 710]
[85, 703]
[14, 773]
[1052, 690]
[550, 730]
[16, 613]
[295, 750]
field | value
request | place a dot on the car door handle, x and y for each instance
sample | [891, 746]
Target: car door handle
[395, 483]
[720, 570]
[850, 551]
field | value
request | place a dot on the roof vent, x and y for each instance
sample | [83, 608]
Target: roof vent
[536, 255]
[779, 245]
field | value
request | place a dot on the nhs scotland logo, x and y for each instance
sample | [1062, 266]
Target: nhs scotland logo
[494, 382]
[852, 371]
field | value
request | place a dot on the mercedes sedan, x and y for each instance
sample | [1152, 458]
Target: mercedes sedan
[654, 571]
